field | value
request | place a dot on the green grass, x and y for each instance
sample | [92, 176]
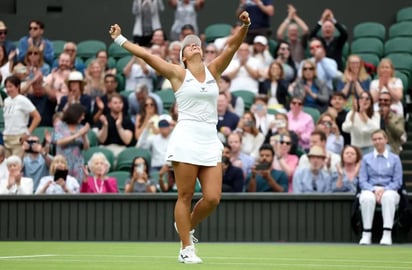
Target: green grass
[216, 256]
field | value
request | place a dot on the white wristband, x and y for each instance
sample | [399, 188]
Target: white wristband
[120, 40]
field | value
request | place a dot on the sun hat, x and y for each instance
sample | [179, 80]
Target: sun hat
[261, 39]
[316, 151]
[75, 76]
[2, 25]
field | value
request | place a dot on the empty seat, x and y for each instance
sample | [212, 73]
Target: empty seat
[398, 45]
[217, 30]
[117, 51]
[369, 29]
[89, 48]
[367, 45]
[58, 46]
[402, 29]
[247, 96]
[404, 14]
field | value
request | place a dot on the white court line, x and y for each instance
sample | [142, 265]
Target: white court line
[26, 256]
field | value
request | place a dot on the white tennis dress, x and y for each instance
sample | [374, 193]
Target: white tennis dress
[194, 140]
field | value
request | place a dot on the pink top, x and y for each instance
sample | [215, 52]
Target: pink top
[93, 185]
[292, 161]
[301, 124]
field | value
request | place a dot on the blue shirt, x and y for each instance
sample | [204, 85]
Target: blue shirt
[48, 52]
[263, 186]
[383, 170]
[304, 181]
[35, 169]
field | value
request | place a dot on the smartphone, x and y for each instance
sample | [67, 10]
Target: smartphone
[262, 166]
[140, 168]
[60, 174]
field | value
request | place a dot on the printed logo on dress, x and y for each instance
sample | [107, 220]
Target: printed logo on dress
[170, 156]
[210, 81]
[203, 89]
[189, 80]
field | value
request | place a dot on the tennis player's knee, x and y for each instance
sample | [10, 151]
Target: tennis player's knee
[212, 200]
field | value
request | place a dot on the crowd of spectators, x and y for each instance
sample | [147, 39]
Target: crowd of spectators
[309, 124]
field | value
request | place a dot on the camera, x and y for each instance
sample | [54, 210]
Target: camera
[30, 147]
[262, 166]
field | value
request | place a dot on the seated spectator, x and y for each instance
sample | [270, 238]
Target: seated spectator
[159, 39]
[157, 144]
[355, 80]
[297, 39]
[318, 138]
[136, 101]
[312, 178]
[56, 183]
[115, 130]
[95, 179]
[326, 68]
[75, 85]
[44, 99]
[284, 161]
[35, 38]
[237, 157]
[211, 53]
[243, 70]
[15, 183]
[387, 82]
[148, 116]
[300, 122]
[233, 179]
[334, 141]
[227, 120]
[392, 123]
[280, 126]
[283, 56]
[361, 121]
[75, 63]
[348, 170]
[101, 103]
[4, 41]
[275, 87]
[380, 177]
[333, 44]
[260, 111]
[235, 103]
[139, 178]
[263, 177]
[35, 63]
[36, 161]
[94, 83]
[6, 62]
[56, 80]
[252, 138]
[260, 51]
[4, 172]
[70, 138]
[314, 91]
[137, 72]
[102, 57]
[338, 102]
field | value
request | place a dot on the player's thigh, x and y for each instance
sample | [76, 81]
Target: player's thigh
[211, 180]
[185, 177]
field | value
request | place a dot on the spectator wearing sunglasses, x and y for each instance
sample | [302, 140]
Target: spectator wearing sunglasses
[8, 44]
[35, 38]
[300, 122]
[392, 123]
[334, 141]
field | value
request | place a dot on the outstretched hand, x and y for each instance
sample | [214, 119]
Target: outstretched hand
[115, 31]
[244, 17]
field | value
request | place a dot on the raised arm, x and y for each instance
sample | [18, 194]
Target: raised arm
[219, 64]
[171, 71]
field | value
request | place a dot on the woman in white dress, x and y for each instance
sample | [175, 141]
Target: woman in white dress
[194, 147]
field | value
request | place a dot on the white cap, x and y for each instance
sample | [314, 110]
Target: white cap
[189, 39]
[261, 39]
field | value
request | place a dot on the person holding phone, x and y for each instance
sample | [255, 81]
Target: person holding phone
[58, 182]
[139, 178]
[263, 177]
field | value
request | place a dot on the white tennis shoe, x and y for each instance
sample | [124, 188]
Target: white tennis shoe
[193, 239]
[188, 256]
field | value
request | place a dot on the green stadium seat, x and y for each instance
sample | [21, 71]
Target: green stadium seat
[121, 63]
[272, 47]
[367, 45]
[168, 98]
[121, 177]
[93, 140]
[404, 14]
[402, 29]
[87, 154]
[126, 156]
[398, 45]
[1, 120]
[126, 93]
[58, 46]
[89, 48]
[39, 132]
[121, 82]
[369, 58]
[117, 51]
[247, 96]
[312, 112]
[217, 30]
[369, 29]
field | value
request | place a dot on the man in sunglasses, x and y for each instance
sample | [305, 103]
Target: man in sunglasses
[35, 38]
[8, 44]
[392, 123]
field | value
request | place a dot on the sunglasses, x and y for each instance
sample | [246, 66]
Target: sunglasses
[285, 142]
[208, 51]
[3, 32]
[296, 103]
[33, 53]
[308, 68]
[33, 28]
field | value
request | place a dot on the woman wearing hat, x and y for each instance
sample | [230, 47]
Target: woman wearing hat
[194, 148]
